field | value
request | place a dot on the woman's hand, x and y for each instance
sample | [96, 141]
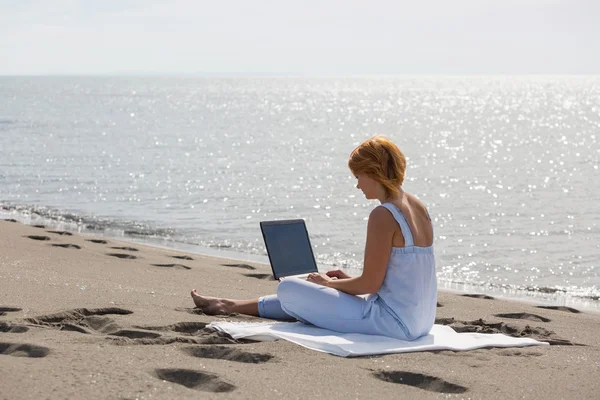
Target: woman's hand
[319, 279]
[337, 274]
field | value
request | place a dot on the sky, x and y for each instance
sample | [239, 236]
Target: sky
[307, 38]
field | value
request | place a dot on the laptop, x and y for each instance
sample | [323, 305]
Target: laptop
[289, 249]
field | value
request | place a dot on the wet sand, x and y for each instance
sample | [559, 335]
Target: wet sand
[89, 317]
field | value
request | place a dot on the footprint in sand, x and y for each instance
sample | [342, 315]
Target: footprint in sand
[227, 353]
[125, 248]
[195, 333]
[260, 276]
[4, 310]
[67, 246]
[178, 266]
[527, 316]
[202, 381]
[481, 326]
[182, 257]
[23, 350]
[560, 308]
[94, 321]
[445, 321]
[519, 353]
[37, 237]
[478, 296]
[186, 328]
[82, 320]
[134, 334]
[5, 327]
[165, 340]
[9, 309]
[121, 255]
[425, 382]
[243, 266]
[76, 318]
[62, 233]
[194, 336]
[98, 241]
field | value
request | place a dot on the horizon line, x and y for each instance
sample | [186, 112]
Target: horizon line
[293, 74]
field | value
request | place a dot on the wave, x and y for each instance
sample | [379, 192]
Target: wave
[138, 231]
[87, 221]
[588, 296]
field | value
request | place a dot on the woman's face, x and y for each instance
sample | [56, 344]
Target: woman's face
[369, 186]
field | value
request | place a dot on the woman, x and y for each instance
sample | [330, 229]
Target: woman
[396, 294]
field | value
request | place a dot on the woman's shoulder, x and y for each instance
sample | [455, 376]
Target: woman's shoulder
[410, 206]
[382, 216]
[415, 204]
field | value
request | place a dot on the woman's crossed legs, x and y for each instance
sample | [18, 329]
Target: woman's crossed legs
[298, 299]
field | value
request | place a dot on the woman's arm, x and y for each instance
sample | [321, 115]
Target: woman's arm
[380, 232]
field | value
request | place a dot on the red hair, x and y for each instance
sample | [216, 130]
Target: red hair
[381, 160]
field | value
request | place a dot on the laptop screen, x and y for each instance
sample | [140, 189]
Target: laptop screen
[288, 247]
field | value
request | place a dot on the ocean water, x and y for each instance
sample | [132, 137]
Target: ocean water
[508, 167]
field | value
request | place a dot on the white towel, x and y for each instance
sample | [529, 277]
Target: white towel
[356, 344]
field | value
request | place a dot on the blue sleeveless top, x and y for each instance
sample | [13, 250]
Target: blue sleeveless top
[409, 289]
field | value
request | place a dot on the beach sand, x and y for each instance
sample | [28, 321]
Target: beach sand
[87, 321]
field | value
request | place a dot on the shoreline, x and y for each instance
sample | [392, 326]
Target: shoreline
[103, 318]
[557, 298]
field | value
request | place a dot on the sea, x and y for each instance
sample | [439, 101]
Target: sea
[508, 167]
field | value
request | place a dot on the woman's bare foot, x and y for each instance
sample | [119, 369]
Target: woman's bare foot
[212, 305]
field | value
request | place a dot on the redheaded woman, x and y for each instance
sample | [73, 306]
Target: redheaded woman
[396, 294]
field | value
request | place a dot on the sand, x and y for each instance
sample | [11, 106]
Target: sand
[92, 320]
